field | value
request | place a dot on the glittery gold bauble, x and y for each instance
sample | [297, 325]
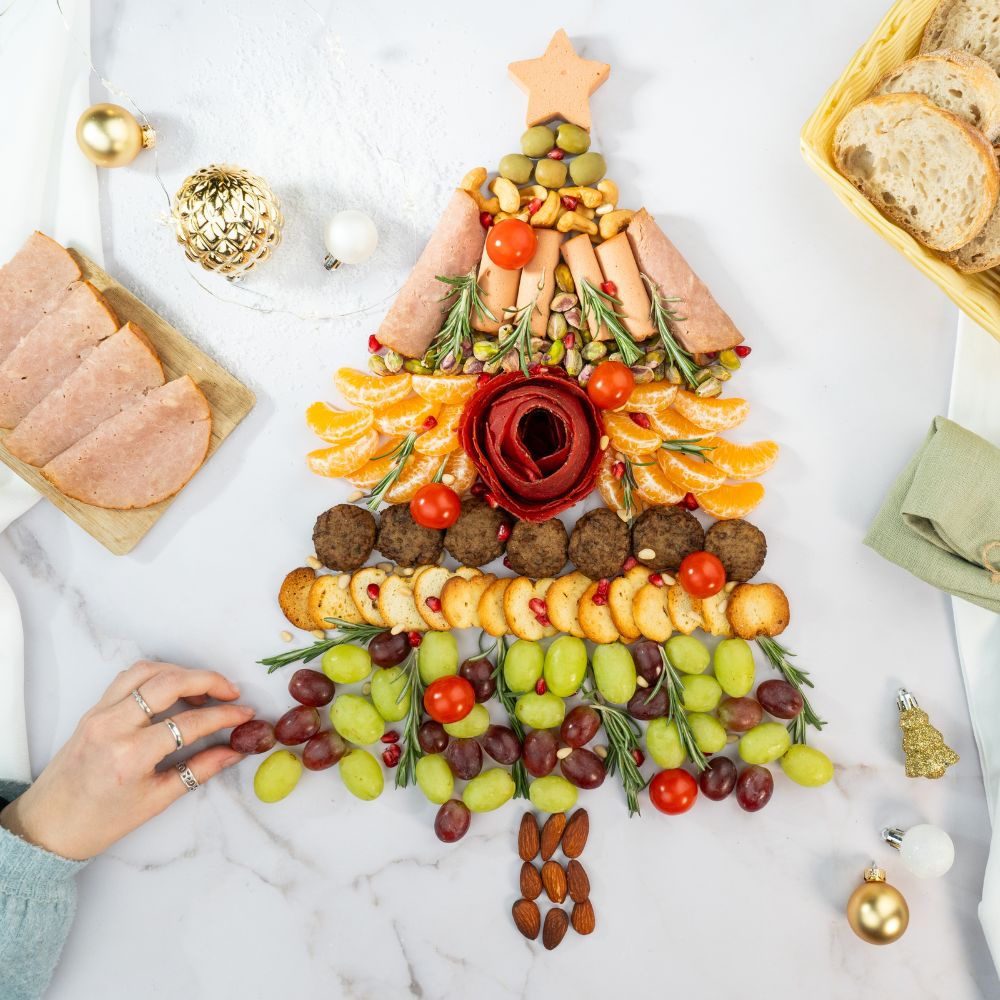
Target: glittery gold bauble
[876, 911]
[927, 754]
[227, 219]
[110, 136]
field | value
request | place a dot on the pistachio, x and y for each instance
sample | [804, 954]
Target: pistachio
[448, 362]
[554, 354]
[616, 356]
[505, 331]
[722, 374]
[557, 327]
[492, 367]
[563, 301]
[414, 367]
[654, 358]
[564, 278]
[472, 366]
[485, 350]
[584, 377]
[573, 362]
[574, 318]
[710, 387]
[729, 359]
[429, 360]
[538, 344]
[510, 362]
[393, 361]
[660, 372]
[641, 374]
[702, 375]
[672, 375]
[377, 365]
[594, 351]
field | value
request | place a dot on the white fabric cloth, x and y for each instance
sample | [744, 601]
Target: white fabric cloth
[44, 80]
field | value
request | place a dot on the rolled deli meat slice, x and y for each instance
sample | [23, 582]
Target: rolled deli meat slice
[54, 348]
[32, 283]
[540, 269]
[582, 263]
[618, 266]
[703, 325]
[454, 249]
[498, 291]
[140, 456]
[111, 378]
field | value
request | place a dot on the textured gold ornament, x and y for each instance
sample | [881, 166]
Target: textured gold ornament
[876, 911]
[227, 219]
[110, 136]
[927, 754]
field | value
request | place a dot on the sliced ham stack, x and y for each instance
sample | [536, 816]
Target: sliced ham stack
[141, 455]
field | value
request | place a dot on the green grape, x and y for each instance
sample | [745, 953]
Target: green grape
[664, 743]
[764, 743]
[552, 794]
[435, 778]
[489, 790]
[807, 766]
[734, 668]
[277, 775]
[388, 687]
[708, 732]
[688, 654]
[437, 656]
[356, 719]
[565, 665]
[702, 692]
[540, 711]
[522, 666]
[346, 664]
[614, 672]
[474, 724]
[361, 774]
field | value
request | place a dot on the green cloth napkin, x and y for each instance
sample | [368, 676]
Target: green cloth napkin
[941, 519]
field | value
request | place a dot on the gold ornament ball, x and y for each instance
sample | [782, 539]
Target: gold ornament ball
[227, 219]
[110, 136]
[876, 911]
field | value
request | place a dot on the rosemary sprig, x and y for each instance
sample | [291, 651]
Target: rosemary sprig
[778, 657]
[628, 490]
[689, 446]
[346, 632]
[507, 699]
[406, 772]
[602, 308]
[519, 339]
[402, 452]
[623, 738]
[458, 324]
[663, 315]
[670, 679]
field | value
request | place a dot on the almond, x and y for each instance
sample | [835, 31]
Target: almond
[554, 880]
[528, 920]
[531, 881]
[527, 838]
[552, 833]
[577, 882]
[575, 838]
[556, 923]
[583, 917]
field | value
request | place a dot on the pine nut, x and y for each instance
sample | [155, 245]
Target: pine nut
[318, 634]
[563, 752]
[604, 442]
[344, 581]
[601, 751]
[355, 496]
[447, 479]
[367, 689]
[645, 554]
[286, 636]
[396, 629]
[313, 562]
[384, 566]
[642, 682]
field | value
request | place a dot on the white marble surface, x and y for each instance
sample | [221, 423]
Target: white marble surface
[384, 106]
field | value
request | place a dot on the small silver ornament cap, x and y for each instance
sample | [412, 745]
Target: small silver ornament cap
[905, 700]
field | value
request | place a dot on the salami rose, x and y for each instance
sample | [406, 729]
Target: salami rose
[535, 441]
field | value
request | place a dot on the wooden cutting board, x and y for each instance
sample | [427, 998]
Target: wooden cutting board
[120, 530]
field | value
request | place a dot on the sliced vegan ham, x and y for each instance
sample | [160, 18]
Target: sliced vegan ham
[140, 456]
[540, 270]
[52, 350]
[619, 267]
[497, 291]
[111, 378]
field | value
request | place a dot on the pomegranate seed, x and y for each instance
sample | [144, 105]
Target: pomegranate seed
[638, 756]
[568, 201]
[534, 369]
[629, 563]
[602, 586]
[618, 470]
[414, 639]
[641, 419]
[491, 500]
[555, 154]
[485, 220]
[390, 737]
[741, 350]
[712, 355]
[478, 488]
[541, 687]
[569, 340]
[609, 288]
[534, 205]
[600, 600]
[373, 591]
[690, 501]
[537, 606]
[506, 563]
[430, 423]
[374, 344]
[655, 579]
[503, 532]
[391, 755]
[433, 603]
[484, 377]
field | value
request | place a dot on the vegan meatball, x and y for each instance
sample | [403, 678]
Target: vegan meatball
[344, 536]
[538, 549]
[403, 541]
[475, 538]
[663, 536]
[740, 546]
[599, 544]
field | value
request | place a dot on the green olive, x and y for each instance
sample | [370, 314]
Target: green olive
[587, 169]
[572, 138]
[537, 141]
[550, 173]
[516, 167]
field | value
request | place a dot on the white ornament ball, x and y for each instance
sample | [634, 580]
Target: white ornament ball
[927, 851]
[350, 238]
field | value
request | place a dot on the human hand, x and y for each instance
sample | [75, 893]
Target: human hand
[103, 783]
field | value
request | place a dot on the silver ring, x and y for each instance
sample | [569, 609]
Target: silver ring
[141, 702]
[187, 775]
[175, 732]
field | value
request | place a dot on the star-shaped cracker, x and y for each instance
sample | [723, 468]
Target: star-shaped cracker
[559, 83]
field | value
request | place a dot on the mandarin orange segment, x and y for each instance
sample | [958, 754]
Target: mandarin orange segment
[610, 486]
[343, 459]
[374, 391]
[652, 482]
[442, 439]
[729, 502]
[418, 471]
[338, 426]
[628, 437]
[460, 466]
[650, 398]
[671, 426]
[444, 388]
[744, 461]
[375, 469]
[713, 414]
[688, 472]
[405, 416]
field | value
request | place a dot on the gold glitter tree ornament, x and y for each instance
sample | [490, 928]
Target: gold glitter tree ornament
[927, 754]
[227, 219]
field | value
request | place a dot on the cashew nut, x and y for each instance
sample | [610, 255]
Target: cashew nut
[614, 222]
[507, 192]
[474, 179]
[548, 213]
[574, 222]
[533, 191]
[591, 197]
[610, 191]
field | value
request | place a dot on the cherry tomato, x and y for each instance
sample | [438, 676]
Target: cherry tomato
[701, 574]
[673, 791]
[435, 506]
[610, 385]
[511, 244]
[449, 699]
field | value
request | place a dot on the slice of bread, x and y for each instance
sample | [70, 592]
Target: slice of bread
[757, 609]
[981, 252]
[293, 597]
[921, 166]
[970, 25]
[959, 82]
[327, 599]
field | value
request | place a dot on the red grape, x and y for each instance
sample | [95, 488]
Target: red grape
[432, 737]
[583, 768]
[255, 736]
[780, 699]
[479, 673]
[388, 650]
[323, 751]
[297, 725]
[718, 780]
[465, 757]
[754, 787]
[452, 821]
[310, 687]
[642, 706]
[740, 715]
[539, 752]
[648, 660]
[580, 726]
[502, 744]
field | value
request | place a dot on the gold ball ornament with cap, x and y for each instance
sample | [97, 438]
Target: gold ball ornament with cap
[110, 136]
[227, 219]
[877, 911]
